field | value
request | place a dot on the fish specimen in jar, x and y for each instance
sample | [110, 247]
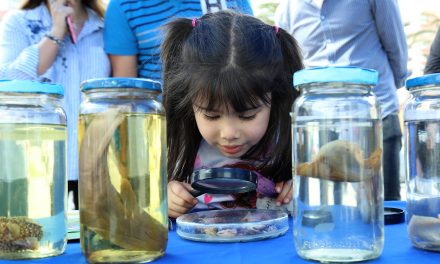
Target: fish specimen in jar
[341, 160]
[425, 231]
[19, 233]
[115, 216]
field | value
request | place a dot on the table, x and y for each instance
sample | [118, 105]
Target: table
[397, 249]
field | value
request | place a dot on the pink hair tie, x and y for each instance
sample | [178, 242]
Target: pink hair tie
[276, 28]
[194, 22]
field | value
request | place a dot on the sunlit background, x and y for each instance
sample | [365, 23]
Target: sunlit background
[420, 19]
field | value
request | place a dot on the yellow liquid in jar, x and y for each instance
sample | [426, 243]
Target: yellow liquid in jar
[123, 190]
[32, 190]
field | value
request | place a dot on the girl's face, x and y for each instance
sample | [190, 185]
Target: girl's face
[232, 133]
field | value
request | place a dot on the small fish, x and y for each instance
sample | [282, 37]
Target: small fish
[341, 160]
[19, 233]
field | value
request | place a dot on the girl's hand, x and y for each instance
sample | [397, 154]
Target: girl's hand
[180, 200]
[285, 192]
[59, 11]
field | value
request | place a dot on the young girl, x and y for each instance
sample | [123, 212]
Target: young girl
[227, 85]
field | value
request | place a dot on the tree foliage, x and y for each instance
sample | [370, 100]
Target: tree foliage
[267, 11]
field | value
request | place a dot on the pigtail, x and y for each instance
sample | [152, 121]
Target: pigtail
[177, 32]
[292, 62]
[180, 155]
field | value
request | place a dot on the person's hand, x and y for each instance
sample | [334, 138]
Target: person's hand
[59, 11]
[285, 192]
[180, 200]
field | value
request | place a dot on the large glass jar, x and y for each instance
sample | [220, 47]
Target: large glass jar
[33, 189]
[422, 153]
[122, 171]
[337, 162]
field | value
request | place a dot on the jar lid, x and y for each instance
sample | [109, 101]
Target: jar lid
[27, 86]
[423, 80]
[393, 215]
[109, 83]
[347, 74]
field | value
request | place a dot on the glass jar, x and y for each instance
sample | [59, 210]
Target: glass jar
[122, 171]
[422, 156]
[33, 184]
[337, 161]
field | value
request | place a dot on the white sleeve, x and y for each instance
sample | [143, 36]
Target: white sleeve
[18, 57]
[282, 15]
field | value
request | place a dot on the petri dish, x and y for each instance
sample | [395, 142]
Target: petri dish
[232, 225]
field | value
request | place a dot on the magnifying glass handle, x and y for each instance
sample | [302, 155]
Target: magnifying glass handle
[196, 193]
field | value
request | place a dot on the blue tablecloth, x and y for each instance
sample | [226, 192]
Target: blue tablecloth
[397, 250]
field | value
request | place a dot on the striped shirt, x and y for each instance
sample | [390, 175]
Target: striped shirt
[363, 33]
[20, 33]
[132, 26]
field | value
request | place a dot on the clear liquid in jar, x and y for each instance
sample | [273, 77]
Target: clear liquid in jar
[136, 153]
[423, 182]
[32, 190]
[339, 203]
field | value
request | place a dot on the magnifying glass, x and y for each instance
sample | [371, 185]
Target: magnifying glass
[223, 181]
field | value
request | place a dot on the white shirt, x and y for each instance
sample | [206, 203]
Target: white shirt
[363, 33]
[20, 33]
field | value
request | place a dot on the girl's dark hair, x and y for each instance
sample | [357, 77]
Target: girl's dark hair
[228, 59]
[96, 5]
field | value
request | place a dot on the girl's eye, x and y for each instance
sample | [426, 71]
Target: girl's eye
[248, 117]
[211, 117]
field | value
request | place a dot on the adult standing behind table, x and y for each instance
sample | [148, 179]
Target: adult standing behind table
[433, 63]
[133, 36]
[363, 33]
[35, 45]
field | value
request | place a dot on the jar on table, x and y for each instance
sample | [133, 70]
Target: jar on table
[422, 153]
[337, 165]
[33, 183]
[122, 171]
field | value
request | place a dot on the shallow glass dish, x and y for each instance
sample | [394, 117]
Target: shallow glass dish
[232, 225]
